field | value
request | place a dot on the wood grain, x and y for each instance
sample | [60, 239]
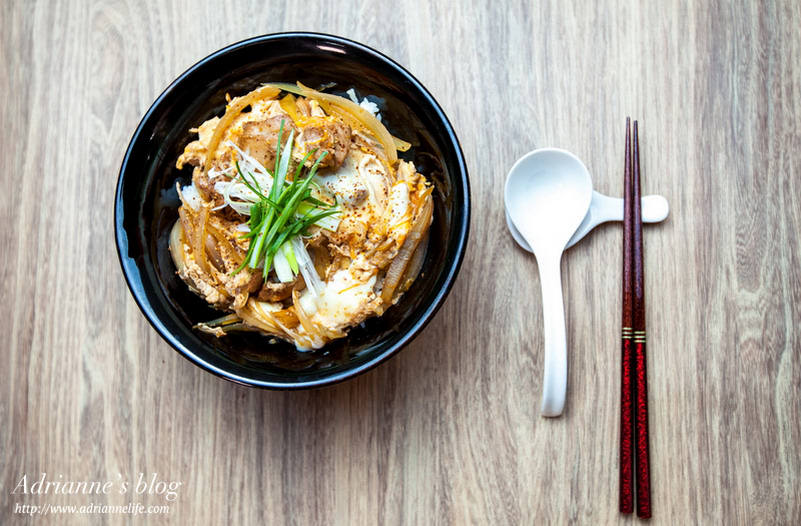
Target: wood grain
[448, 431]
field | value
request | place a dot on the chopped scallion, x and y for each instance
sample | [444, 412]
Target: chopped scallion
[278, 220]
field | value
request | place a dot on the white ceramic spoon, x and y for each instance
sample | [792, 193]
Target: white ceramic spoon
[547, 195]
[604, 209]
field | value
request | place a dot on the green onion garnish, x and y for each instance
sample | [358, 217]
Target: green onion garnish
[288, 211]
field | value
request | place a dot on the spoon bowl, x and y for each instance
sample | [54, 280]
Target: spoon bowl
[547, 195]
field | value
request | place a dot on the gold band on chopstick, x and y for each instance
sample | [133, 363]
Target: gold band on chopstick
[627, 333]
[639, 336]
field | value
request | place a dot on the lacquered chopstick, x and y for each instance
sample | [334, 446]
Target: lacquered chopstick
[626, 357]
[638, 322]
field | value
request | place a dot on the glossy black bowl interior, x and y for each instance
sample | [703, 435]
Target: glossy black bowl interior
[146, 205]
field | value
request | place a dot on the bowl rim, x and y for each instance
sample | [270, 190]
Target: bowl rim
[452, 270]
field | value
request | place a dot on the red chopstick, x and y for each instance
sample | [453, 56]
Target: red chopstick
[626, 385]
[638, 324]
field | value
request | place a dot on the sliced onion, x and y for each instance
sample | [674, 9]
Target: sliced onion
[414, 267]
[222, 326]
[398, 266]
[198, 239]
[306, 266]
[231, 189]
[282, 269]
[224, 240]
[258, 318]
[305, 321]
[228, 319]
[401, 145]
[290, 107]
[177, 246]
[235, 192]
[195, 226]
[213, 253]
[213, 174]
[287, 318]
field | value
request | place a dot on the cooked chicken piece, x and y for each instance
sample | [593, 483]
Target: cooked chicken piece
[273, 292]
[220, 286]
[352, 233]
[330, 136]
[314, 237]
[239, 286]
[304, 108]
[200, 281]
[350, 190]
[259, 138]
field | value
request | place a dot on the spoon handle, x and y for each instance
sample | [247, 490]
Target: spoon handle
[554, 385]
[604, 208]
[655, 208]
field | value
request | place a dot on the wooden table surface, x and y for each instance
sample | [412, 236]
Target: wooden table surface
[447, 432]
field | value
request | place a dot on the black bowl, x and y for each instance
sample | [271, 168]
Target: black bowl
[146, 205]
